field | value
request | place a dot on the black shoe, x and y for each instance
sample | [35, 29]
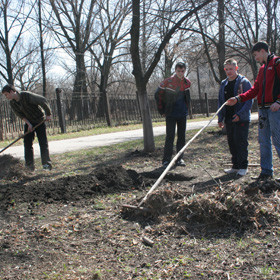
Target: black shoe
[47, 166]
[180, 162]
[264, 177]
[30, 167]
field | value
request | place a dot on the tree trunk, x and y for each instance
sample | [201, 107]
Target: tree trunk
[148, 134]
[168, 65]
[80, 93]
[141, 82]
[7, 49]
[269, 22]
[104, 102]
[221, 44]
[199, 89]
[43, 63]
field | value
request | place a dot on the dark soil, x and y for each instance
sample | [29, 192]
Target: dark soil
[103, 181]
[11, 168]
[198, 224]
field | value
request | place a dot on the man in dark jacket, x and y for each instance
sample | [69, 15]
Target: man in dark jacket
[236, 118]
[32, 109]
[172, 97]
[267, 90]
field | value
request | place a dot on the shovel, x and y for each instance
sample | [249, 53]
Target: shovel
[138, 207]
[22, 136]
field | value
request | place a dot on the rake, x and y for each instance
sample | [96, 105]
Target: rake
[169, 166]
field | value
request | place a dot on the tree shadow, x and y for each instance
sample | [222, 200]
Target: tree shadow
[171, 175]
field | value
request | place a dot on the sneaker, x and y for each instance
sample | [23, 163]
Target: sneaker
[180, 162]
[231, 171]
[242, 172]
[47, 166]
[165, 163]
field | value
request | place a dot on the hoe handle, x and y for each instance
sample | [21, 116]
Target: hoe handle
[22, 136]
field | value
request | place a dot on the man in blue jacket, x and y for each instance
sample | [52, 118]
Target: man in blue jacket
[235, 118]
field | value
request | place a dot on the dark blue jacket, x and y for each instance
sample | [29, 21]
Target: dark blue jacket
[243, 110]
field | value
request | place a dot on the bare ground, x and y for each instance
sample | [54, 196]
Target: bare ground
[199, 223]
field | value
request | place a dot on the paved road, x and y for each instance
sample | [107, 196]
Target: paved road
[63, 146]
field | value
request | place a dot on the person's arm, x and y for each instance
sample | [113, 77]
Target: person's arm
[159, 96]
[253, 91]
[276, 105]
[41, 101]
[159, 100]
[30, 126]
[246, 85]
[220, 103]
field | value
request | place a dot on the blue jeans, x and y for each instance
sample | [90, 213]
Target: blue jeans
[269, 128]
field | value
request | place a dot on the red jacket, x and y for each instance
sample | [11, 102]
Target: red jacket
[267, 84]
[170, 94]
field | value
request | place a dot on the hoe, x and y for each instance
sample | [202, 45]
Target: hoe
[22, 136]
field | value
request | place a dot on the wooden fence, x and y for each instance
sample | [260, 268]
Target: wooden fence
[88, 114]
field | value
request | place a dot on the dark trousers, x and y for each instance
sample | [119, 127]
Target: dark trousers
[171, 123]
[237, 136]
[43, 143]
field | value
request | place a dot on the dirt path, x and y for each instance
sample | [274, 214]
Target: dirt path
[63, 146]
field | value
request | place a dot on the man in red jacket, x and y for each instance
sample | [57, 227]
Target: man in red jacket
[267, 90]
[173, 98]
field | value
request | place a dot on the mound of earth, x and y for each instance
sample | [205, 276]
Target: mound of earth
[229, 208]
[110, 179]
[11, 167]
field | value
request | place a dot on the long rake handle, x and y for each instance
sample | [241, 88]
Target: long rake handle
[176, 157]
[22, 136]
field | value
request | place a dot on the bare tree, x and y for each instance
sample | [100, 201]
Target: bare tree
[113, 22]
[168, 12]
[142, 77]
[42, 50]
[75, 20]
[271, 8]
[27, 71]
[13, 21]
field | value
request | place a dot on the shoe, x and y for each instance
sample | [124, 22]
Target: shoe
[47, 166]
[30, 167]
[165, 163]
[264, 177]
[231, 171]
[242, 172]
[180, 162]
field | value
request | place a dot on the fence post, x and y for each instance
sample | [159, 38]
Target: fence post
[1, 129]
[207, 104]
[190, 109]
[60, 111]
[107, 109]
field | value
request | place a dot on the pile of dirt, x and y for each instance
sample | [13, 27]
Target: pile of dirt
[212, 212]
[110, 179]
[11, 168]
